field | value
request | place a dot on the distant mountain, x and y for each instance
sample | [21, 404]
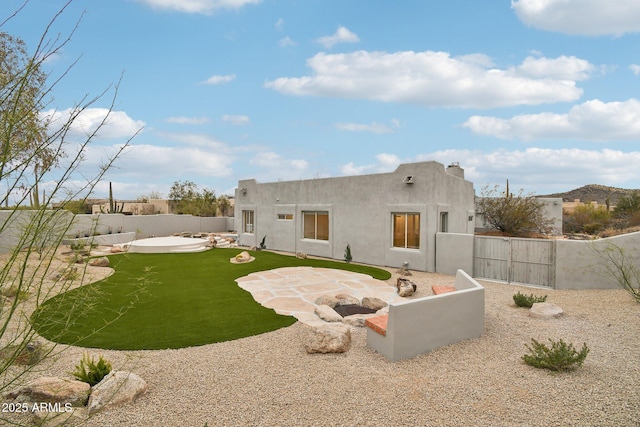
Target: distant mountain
[593, 192]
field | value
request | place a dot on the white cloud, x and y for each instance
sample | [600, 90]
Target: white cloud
[274, 164]
[196, 140]
[583, 17]
[188, 120]
[111, 124]
[279, 24]
[436, 79]
[537, 170]
[385, 162]
[356, 127]
[177, 161]
[342, 35]
[635, 69]
[218, 79]
[286, 41]
[561, 68]
[198, 6]
[236, 120]
[592, 120]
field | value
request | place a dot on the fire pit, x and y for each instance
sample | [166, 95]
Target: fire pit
[349, 309]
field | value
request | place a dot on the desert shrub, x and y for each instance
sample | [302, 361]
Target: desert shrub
[347, 254]
[14, 293]
[586, 218]
[559, 357]
[523, 300]
[620, 265]
[90, 371]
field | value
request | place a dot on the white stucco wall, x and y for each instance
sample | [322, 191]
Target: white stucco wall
[420, 325]
[580, 264]
[360, 209]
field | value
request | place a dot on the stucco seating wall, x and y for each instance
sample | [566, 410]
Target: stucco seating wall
[420, 325]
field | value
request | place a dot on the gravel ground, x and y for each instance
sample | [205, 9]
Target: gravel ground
[269, 380]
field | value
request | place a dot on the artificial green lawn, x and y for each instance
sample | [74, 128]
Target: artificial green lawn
[159, 301]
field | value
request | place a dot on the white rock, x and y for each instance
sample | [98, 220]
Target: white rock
[345, 299]
[330, 339]
[117, 388]
[327, 313]
[99, 262]
[54, 390]
[545, 310]
[373, 303]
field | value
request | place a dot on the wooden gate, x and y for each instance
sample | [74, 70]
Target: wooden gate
[515, 260]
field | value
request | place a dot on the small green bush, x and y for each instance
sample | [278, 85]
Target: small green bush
[14, 293]
[90, 371]
[347, 254]
[560, 357]
[522, 300]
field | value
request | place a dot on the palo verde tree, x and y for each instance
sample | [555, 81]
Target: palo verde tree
[33, 150]
[515, 215]
[22, 94]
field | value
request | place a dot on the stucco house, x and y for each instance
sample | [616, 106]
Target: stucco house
[387, 219]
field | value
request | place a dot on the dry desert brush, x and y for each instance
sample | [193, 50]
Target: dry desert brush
[619, 266]
[38, 151]
[559, 357]
[523, 300]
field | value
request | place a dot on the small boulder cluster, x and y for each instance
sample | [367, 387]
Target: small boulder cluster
[58, 401]
[335, 336]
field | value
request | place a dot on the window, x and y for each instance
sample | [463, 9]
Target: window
[247, 221]
[315, 225]
[406, 230]
[444, 222]
[285, 217]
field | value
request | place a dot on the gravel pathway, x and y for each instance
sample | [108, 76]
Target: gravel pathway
[269, 380]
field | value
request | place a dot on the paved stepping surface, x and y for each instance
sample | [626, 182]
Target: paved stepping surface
[292, 291]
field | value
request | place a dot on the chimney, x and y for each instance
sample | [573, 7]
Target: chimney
[455, 170]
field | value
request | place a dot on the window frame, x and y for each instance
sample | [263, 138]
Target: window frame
[444, 222]
[248, 214]
[315, 233]
[407, 240]
[284, 217]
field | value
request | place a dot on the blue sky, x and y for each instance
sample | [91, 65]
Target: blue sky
[544, 93]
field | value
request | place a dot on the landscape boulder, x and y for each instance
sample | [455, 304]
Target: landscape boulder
[345, 299]
[329, 339]
[116, 388]
[373, 303]
[99, 262]
[405, 287]
[545, 310]
[243, 256]
[52, 390]
[327, 300]
[357, 320]
[327, 313]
